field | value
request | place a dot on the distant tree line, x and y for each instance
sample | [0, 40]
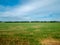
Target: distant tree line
[29, 21]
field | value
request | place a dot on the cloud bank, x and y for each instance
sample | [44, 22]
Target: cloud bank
[31, 10]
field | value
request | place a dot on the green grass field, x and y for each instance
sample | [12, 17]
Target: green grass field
[29, 33]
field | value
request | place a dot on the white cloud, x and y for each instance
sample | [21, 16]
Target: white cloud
[26, 9]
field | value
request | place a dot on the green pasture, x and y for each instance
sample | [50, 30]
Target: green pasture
[28, 33]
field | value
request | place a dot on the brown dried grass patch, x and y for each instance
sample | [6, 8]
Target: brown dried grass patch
[13, 41]
[50, 42]
[36, 26]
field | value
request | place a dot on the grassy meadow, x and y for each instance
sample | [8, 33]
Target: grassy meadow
[29, 33]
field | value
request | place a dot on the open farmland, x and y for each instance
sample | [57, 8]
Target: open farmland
[29, 33]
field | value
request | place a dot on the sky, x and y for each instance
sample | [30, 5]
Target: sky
[29, 10]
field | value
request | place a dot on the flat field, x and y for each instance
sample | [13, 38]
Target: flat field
[29, 33]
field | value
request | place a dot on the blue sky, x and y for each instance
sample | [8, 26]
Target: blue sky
[29, 10]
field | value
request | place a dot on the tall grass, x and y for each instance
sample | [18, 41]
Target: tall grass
[28, 33]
